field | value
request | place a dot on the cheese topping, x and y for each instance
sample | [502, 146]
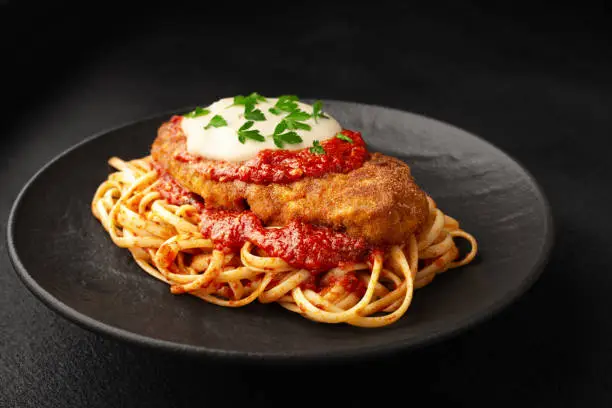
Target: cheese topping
[222, 130]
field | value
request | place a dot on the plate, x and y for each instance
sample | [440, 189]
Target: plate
[64, 256]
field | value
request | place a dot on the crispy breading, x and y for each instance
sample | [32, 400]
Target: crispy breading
[379, 201]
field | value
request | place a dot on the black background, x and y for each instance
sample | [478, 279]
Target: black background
[535, 83]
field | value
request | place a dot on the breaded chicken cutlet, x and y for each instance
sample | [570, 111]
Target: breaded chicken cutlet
[379, 201]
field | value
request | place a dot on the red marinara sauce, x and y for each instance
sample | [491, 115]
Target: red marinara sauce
[349, 281]
[301, 245]
[283, 166]
[176, 194]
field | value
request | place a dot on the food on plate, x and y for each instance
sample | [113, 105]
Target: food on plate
[273, 200]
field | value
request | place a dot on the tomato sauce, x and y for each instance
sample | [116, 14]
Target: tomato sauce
[301, 245]
[349, 281]
[176, 194]
[283, 166]
[352, 284]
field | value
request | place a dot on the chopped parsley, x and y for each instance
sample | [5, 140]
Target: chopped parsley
[216, 121]
[252, 99]
[317, 111]
[285, 103]
[249, 102]
[316, 148]
[344, 137]
[284, 132]
[289, 137]
[197, 112]
[250, 113]
[295, 118]
[245, 132]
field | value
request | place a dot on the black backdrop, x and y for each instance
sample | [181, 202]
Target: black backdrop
[536, 84]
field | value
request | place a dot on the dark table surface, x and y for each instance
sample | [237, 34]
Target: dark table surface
[539, 88]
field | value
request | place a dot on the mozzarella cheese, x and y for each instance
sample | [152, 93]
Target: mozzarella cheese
[222, 143]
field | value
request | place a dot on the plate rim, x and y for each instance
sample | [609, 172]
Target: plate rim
[454, 329]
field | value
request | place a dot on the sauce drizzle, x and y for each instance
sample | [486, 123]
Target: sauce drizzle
[301, 245]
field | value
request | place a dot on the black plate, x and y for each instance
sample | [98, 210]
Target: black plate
[65, 257]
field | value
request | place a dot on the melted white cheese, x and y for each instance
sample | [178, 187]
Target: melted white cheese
[221, 143]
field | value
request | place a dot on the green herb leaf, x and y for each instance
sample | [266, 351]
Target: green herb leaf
[344, 137]
[246, 126]
[240, 100]
[197, 112]
[298, 115]
[317, 112]
[291, 138]
[287, 106]
[216, 121]
[300, 125]
[274, 111]
[293, 120]
[287, 103]
[287, 137]
[278, 142]
[316, 148]
[253, 134]
[250, 113]
[293, 98]
[249, 102]
[280, 128]
[250, 134]
[257, 97]
[252, 99]
[289, 124]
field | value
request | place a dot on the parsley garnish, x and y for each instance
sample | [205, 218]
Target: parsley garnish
[344, 137]
[284, 132]
[289, 137]
[282, 136]
[252, 99]
[250, 113]
[197, 112]
[288, 103]
[249, 102]
[317, 112]
[280, 128]
[253, 134]
[295, 118]
[216, 121]
[285, 103]
[317, 148]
